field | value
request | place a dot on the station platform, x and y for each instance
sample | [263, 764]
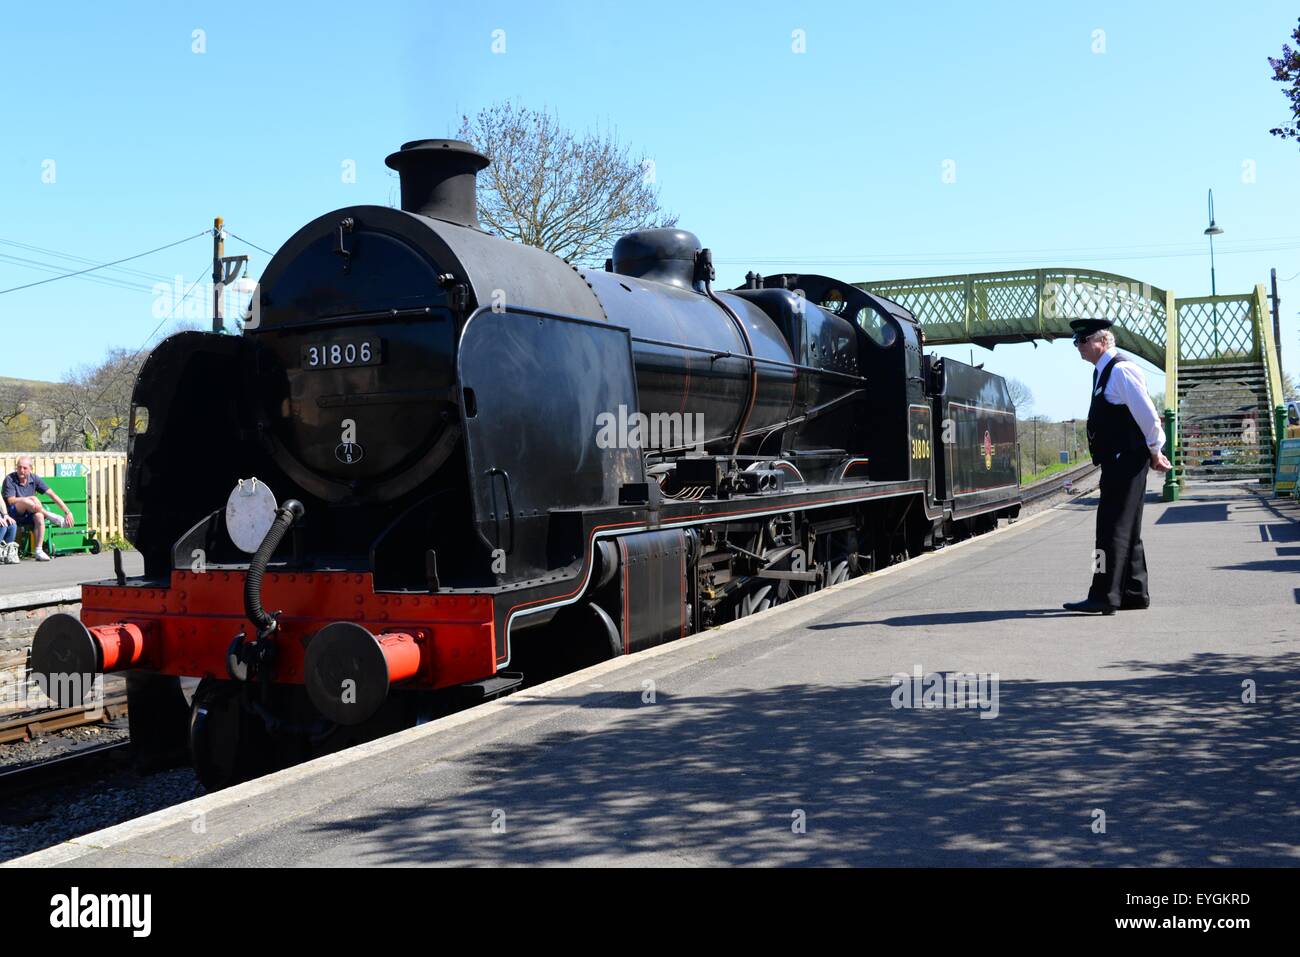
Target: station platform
[1133, 739]
[65, 572]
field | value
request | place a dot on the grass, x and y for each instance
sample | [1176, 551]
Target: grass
[1049, 471]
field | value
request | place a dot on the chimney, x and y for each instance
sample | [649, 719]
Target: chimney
[438, 178]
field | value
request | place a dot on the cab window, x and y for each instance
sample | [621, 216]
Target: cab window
[878, 329]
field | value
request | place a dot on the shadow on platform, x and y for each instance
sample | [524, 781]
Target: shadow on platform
[950, 618]
[1186, 773]
[1193, 513]
[1279, 532]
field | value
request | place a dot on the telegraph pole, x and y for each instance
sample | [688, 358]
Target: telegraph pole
[224, 269]
[218, 253]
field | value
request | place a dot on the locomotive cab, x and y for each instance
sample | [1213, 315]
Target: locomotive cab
[839, 328]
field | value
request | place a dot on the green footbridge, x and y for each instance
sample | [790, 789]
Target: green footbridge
[1225, 410]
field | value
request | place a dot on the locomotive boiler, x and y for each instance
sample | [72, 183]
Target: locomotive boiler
[437, 464]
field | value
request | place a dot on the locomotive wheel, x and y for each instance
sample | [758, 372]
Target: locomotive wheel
[579, 636]
[839, 572]
[227, 745]
[760, 599]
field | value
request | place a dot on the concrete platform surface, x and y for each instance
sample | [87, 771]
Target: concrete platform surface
[66, 571]
[1119, 740]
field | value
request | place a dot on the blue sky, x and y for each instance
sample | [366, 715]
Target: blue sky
[830, 159]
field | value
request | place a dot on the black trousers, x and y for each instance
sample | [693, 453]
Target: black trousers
[1120, 564]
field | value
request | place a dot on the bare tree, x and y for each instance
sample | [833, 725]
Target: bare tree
[91, 408]
[1021, 396]
[572, 196]
[14, 397]
[16, 407]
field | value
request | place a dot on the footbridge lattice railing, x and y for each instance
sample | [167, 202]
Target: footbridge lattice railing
[1023, 305]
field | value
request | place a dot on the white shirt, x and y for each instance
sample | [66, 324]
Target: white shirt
[1127, 385]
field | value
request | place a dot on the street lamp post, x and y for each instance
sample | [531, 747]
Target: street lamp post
[1213, 230]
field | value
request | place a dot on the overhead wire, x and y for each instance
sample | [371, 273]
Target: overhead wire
[90, 269]
[1026, 257]
[113, 282]
[247, 243]
[135, 355]
[58, 254]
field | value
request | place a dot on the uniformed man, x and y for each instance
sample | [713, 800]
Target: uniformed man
[1125, 439]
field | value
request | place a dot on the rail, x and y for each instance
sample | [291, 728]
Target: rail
[72, 765]
[1054, 483]
[33, 724]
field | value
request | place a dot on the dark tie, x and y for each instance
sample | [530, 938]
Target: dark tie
[1094, 378]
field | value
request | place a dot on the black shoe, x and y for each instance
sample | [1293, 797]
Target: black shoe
[1134, 604]
[1089, 607]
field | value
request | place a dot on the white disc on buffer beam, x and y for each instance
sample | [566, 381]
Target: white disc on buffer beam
[250, 510]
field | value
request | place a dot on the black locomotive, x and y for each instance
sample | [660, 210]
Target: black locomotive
[484, 454]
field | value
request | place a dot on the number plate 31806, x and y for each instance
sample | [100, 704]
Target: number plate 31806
[342, 354]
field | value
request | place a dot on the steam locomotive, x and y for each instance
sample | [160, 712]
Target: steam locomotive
[437, 463]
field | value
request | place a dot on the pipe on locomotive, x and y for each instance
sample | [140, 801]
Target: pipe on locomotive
[68, 657]
[705, 274]
[347, 671]
[288, 513]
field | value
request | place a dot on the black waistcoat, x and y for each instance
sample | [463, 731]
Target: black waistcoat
[1111, 426]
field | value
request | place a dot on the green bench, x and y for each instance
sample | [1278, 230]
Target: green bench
[63, 541]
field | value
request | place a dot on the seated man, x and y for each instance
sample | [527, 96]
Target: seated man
[21, 488]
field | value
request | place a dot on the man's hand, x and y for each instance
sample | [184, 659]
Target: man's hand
[1159, 462]
[67, 518]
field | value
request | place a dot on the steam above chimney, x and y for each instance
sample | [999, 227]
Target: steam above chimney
[438, 179]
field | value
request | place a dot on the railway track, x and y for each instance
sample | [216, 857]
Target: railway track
[26, 713]
[1054, 483]
[33, 724]
[71, 766]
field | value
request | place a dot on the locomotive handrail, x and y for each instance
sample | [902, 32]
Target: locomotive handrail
[723, 354]
[510, 508]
